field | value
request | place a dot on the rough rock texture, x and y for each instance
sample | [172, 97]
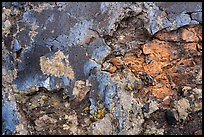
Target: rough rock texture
[58, 66]
[101, 68]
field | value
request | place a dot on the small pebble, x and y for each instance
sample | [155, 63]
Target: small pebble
[16, 45]
[171, 120]
[147, 59]
[146, 108]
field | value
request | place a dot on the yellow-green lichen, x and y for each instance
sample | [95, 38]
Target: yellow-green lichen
[99, 114]
[86, 109]
[128, 87]
[198, 106]
[55, 104]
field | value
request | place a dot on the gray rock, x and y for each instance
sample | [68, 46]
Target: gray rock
[89, 66]
[153, 106]
[98, 50]
[179, 7]
[197, 16]
[100, 127]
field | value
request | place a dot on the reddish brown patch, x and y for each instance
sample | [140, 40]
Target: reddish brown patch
[164, 35]
[134, 63]
[154, 68]
[161, 91]
[171, 57]
[112, 69]
[189, 34]
[116, 61]
[138, 52]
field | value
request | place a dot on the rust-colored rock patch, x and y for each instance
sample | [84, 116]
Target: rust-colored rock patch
[170, 58]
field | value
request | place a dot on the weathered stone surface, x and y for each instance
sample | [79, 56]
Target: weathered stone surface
[101, 67]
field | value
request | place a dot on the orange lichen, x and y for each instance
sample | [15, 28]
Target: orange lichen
[154, 68]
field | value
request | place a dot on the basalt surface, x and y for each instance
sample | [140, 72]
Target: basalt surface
[110, 68]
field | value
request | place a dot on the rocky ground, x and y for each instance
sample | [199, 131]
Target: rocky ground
[102, 68]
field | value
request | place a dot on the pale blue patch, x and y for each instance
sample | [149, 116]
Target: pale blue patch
[79, 32]
[89, 65]
[16, 45]
[9, 116]
[29, 81]
[63, 39]
[66, 81]
[9, 64]
[46, 83]
[119, 116]
[104, 6]
[106, 88]
[109, 94]
[181, 20]
[61, 3]
[100, 53]
[92, 106]
[4, 71]
[126, 113]
[52, 82]
[197, 16]
[165, 23]
[28, 17]
[103, 79]
[51, 18]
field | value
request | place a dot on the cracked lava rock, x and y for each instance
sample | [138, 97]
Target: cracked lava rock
[101, 68]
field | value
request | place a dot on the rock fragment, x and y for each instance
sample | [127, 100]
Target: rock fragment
[183, 107]
[170, 116]
[189, 35]
[103, 126]
[153, 106]
[80, 89]
[111, 50]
